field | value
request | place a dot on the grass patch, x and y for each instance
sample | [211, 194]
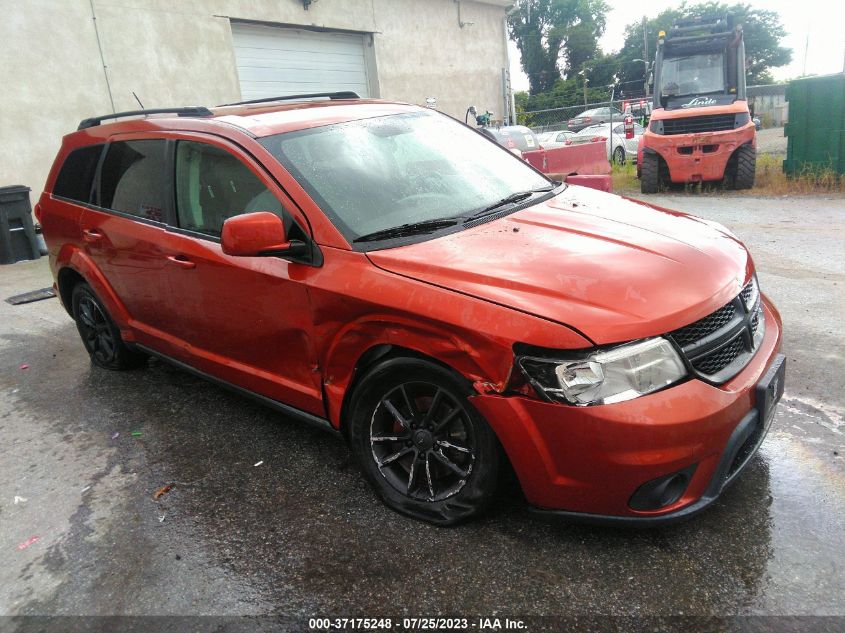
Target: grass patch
[770, 179]
[624, 177]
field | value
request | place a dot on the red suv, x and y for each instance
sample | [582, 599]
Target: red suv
[382, 270]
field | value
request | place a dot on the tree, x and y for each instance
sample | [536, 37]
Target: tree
[555, 37]
[762, 31]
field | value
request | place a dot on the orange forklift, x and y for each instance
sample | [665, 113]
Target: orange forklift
[700, 128]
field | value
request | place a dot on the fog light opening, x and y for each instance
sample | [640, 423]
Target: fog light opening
[663, 491]
[673, 489]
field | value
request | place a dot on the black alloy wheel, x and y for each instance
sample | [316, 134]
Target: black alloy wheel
[98, 332]
[425, 449]
[422, 442]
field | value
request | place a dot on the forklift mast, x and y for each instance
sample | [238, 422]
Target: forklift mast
[693, 37]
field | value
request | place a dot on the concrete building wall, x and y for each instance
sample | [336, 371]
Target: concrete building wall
[179, 52]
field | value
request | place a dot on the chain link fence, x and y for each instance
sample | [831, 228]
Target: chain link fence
[555, 119]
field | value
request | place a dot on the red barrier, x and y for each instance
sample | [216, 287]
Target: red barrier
[587, 158]
[602, 183]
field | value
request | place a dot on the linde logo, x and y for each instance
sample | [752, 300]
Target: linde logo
[699, 101]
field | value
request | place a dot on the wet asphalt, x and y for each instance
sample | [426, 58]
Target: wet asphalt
[266, 516]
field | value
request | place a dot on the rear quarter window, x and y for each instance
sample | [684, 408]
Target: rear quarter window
[77, 174]
[132, 179]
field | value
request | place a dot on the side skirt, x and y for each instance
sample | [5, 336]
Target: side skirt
[280, 407]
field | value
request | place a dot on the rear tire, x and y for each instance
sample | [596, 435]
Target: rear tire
[650, 173]
[619, 155]
[423, 447]
[746, 165]
[99, 334]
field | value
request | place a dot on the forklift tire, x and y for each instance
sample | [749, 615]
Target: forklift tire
[746, 163]
[650, 173]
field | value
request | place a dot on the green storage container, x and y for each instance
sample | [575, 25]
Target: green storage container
[816, 128]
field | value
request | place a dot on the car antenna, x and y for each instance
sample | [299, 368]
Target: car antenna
[138, 100]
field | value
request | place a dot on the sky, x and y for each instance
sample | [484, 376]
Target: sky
[820, 20]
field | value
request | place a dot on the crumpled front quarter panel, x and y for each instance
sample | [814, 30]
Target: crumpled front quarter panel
[357, 306]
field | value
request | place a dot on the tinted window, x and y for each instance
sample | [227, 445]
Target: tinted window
[132, 178]
[77, 174]
[212, 185]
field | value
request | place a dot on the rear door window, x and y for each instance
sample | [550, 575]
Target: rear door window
[76, 176]
[133, 178]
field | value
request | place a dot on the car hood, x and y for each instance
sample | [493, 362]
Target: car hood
[614, 269]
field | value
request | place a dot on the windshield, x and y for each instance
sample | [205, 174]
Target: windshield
[692, 75]
[375, 174]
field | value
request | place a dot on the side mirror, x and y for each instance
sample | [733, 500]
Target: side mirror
[257, 234]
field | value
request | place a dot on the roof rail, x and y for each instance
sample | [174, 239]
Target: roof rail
[185, 111]
[345, 94]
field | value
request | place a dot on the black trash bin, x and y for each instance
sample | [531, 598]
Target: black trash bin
[17, 234]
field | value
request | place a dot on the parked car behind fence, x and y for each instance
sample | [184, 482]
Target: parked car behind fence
[593, 117]
[619, 148]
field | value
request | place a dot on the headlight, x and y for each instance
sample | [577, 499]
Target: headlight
[606, 376]
[656, 126]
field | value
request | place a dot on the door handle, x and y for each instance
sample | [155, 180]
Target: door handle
[181, 261]
[91, 235]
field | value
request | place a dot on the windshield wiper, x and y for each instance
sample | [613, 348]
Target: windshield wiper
[519, 196]
[403, 230]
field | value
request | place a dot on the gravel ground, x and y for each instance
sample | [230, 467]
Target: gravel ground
[303, 535]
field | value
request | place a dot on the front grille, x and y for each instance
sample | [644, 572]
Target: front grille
[719, 345]
[699, 124]
[706, 326]
[715, 362]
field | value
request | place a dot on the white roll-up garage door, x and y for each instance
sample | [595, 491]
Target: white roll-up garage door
[277, 61]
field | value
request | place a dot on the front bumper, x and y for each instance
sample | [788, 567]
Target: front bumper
[698, 157]
[586, 462]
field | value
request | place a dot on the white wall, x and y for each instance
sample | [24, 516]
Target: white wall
[179, 52]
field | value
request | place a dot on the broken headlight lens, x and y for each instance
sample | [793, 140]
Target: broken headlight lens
[608, 375]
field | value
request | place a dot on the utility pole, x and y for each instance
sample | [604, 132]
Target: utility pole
[583, 73]
[645, 56]
[806, 46]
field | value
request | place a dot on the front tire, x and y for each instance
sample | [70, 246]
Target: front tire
[423, 447]
[650, 173]
[746, 165]
[99, 334]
